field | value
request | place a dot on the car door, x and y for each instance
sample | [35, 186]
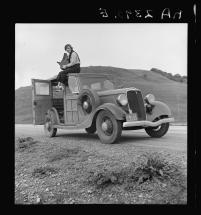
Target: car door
[41, 100]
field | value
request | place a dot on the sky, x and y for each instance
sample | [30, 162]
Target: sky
[129, 45]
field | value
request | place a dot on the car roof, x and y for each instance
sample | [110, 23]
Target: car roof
[90, 75]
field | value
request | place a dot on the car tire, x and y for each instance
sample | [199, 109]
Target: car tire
[158, 131]
[88, 100]
[108, 128]
[50, 120]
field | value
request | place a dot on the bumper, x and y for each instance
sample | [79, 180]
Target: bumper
[147, 123]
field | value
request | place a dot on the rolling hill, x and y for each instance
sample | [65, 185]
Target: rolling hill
[173, 93]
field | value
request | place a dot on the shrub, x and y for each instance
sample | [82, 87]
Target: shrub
[155, 166]
[25, 143]
[45, 171]
[149, 166]
[63, 154]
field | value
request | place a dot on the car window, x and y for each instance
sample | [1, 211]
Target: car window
[96, 86]
[108, 85]
[96, 83]
[42, 88]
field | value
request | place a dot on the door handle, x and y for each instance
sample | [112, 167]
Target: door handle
[34, 103]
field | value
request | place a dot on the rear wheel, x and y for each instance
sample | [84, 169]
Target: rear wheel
[157, 131]
[50, 120]
[108, 128]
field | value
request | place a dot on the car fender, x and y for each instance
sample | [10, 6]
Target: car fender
[118, 113]
[159, 109]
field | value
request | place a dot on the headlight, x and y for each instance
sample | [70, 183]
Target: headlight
[122, 99]
[149, 98]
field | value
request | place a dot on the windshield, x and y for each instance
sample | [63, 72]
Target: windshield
[96, 83]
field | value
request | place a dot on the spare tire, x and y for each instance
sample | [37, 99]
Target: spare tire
[88, 100]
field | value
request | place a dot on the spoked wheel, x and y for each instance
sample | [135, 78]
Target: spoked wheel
[108, 128]
[50, 131]
[157, 131]
[88, 100]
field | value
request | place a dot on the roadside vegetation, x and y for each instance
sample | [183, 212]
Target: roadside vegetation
[55, 174]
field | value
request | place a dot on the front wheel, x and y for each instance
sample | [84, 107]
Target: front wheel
[108, 128]
[50, 131]
[158, 131]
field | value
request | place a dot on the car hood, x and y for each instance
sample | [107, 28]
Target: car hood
[116, 91]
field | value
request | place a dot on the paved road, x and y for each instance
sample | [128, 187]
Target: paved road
[175, 140]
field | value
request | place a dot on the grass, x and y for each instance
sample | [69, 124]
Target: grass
[150, 167]
[44, 171]
[148, 176]
[60, 174]
[63, 154]
[25, 143]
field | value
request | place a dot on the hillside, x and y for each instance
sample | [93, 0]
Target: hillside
[23, 102]
[171, 92]
[176, 77]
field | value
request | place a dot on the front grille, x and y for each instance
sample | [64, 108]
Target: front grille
[136, 104]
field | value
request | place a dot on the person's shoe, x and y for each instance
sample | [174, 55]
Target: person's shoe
[58, 88]
[61, 87]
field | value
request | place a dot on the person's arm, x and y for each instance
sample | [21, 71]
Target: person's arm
[73, 60]
[64, 61]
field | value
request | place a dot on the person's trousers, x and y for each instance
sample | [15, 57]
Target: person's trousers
[63, 75]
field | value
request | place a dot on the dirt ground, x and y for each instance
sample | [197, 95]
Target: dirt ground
[76, 168]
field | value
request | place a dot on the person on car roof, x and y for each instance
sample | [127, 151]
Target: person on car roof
[69, 64]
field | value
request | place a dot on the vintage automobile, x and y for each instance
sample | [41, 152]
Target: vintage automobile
[91, 102]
